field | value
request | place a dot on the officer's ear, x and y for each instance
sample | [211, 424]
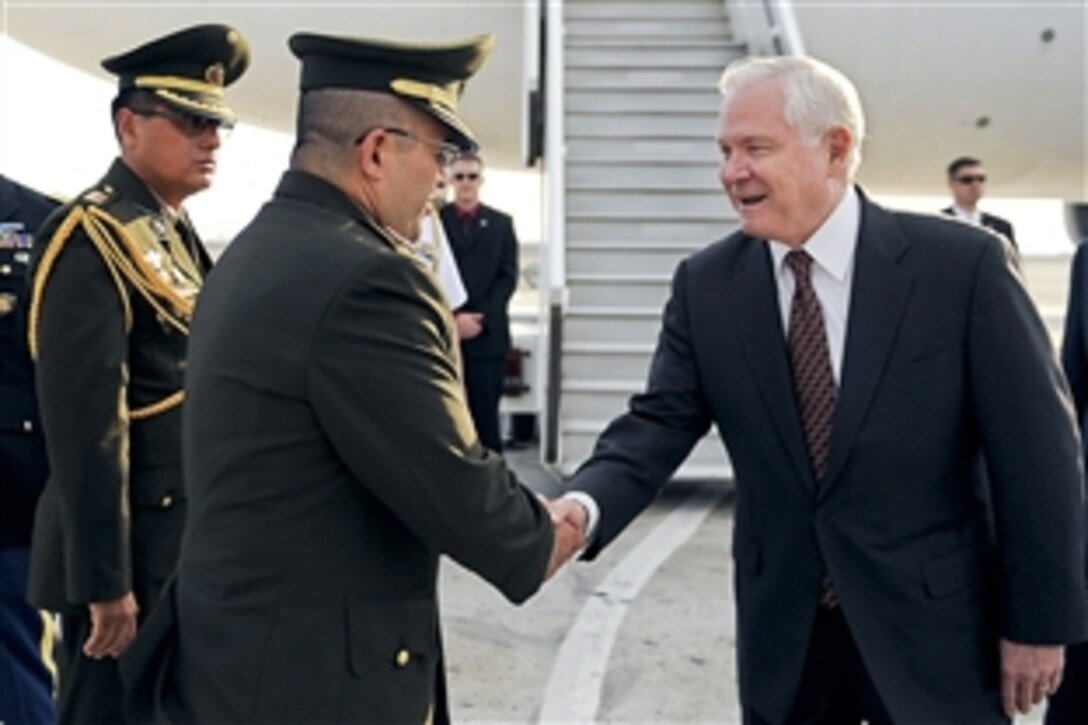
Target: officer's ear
[370, 153]
[125, 127]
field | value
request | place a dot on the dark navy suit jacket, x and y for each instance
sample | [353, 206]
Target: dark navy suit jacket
[1075, 349]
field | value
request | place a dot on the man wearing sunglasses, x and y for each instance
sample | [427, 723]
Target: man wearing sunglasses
[967, 179]
[114, 279]
[486, 249]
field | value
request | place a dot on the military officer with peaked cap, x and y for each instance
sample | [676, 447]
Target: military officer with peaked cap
[113, 281]
[328, 451]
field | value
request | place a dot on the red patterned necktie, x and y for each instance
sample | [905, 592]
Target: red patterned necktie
[812, 377]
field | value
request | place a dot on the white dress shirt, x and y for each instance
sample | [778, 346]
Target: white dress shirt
[432, 237]
[832, 248]
[975, 217]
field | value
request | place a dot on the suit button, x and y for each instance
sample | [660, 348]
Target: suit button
[403, 658]
[5, 269]
[166, 501]
[28, 426]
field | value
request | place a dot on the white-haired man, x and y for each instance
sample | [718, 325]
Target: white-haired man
[860, 364]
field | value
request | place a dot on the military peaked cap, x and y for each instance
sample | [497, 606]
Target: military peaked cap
[188, 69]
[430, 76]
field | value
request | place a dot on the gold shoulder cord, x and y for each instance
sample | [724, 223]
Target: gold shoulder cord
[125, 262]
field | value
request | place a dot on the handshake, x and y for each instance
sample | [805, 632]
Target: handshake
[569, 520]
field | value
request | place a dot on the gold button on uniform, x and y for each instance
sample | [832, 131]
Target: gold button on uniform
[166, 502]
[403, 658]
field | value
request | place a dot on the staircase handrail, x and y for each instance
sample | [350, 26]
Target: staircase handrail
[768, 27]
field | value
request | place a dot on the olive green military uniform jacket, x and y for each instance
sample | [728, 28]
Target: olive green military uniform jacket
[329, 460]
[112, 288]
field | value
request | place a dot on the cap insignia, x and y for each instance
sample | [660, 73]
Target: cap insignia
[215, 74]
[445, 96]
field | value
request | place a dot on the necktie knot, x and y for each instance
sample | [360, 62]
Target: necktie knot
[800, 263]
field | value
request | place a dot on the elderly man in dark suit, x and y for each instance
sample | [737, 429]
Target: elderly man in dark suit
[486, 249]
[115, 275]
[966, 180]
[329, 455]
[860, 364]
[1069, 705]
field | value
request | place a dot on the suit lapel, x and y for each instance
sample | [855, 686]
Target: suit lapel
[465, 240]
[878, 299]
[753, 294]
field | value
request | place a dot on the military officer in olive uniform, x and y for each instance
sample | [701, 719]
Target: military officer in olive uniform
[114, 279]
[329, 454]
[26, 682]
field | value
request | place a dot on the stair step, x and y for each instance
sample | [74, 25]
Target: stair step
[657, 79]
[691, 233]
[631, 261]
[622, 100]
[724, 218]
[613, 325]
[645, 55]
[578, 41]
[645, 202]
[657, 175]
[613, 9]
[599, 366]
[605, 150]
[697, 30]
[604, 348]
[619, 292]
[611, 125]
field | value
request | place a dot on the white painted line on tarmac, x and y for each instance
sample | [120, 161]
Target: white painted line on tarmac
[573, 694]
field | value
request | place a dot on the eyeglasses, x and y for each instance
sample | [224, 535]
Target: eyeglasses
[445, 153]
[189, 124]
[971, 179]
[470, 176]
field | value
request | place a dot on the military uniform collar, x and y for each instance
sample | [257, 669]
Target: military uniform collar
[126, 183]
[302, 185]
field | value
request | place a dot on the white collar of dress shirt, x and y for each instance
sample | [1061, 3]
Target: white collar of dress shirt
[832, 245]
[971, 216]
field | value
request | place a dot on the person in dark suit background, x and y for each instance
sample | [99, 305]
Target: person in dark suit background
[966, 181]
[328, 452]
[1069, 705]
[115, 274]
[859, 363]
[486, 249]
[26, 680]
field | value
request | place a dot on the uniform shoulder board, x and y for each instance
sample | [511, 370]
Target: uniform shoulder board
[98, 195]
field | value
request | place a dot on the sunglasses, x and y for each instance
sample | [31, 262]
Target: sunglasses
[470, 176]
[189, 124]
[971, 179]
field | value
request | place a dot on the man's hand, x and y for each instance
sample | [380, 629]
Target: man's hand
[569, 520]
[113, 625]
[1028, 674]
[469, 324]
[569, 510]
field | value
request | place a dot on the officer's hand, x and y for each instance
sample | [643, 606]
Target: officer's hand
[569, 520]
[113, 625]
